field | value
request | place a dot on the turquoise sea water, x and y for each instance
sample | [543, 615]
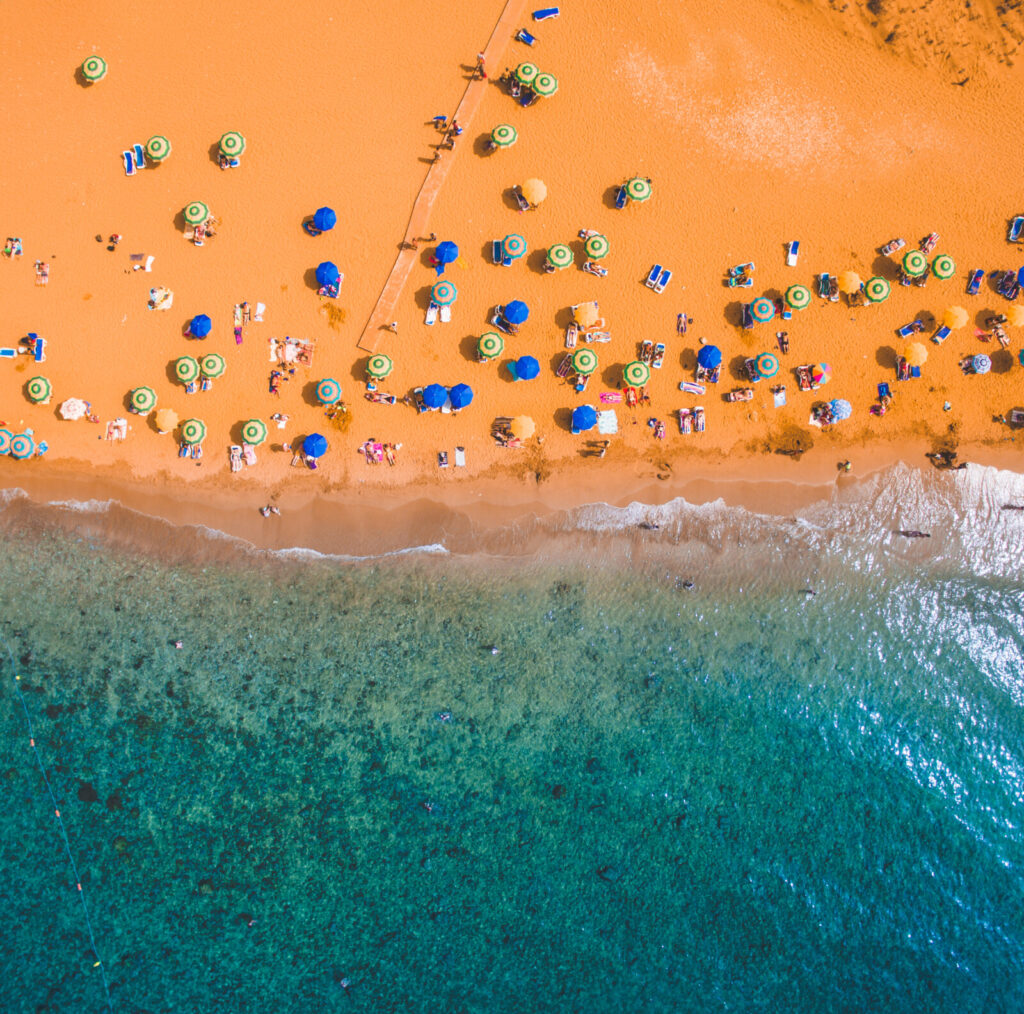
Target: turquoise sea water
[735, 796]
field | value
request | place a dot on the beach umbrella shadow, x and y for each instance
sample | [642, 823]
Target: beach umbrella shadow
[467, 347]
[983, 315]
[423, 297]
[507, 371]
[214, 152]
[179, 222]
[487, 252]
[556, 360]
[992, 278]
[688, 360]
[563, 318]
[563, 419]
[235, 433]
[611, 376]
[884, 267]
[509, 198]
[926, 317]
[608, 197]
[1002, 361]
[738, 368]
[482, 145]
[579, 252]
[536, 260]
[886, 356]
[80, 79]
[172, 376]
[733, 313]
[310, 279]
[309, 392]
[358, 373]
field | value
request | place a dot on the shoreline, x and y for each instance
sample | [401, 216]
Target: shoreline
[491, 514]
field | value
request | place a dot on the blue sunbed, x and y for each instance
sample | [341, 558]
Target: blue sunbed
[652, 278]
[883, 391]
[140, 156]
[8, 353]
[942, 334]
[524, 36]
[908, 329]
[129, 163]
[915, 371]
[496, 251]
[1016, 227]
[663, 279]
[39, 348]
[620, 198]
[544, 13]
[974, 285]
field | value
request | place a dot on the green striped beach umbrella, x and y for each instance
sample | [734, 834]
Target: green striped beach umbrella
[232, 144]
[22, 446]
[560, 256]
[158, 148]
[526, 73]
[584, 361]
[193, 431]
[328, 391]
[186, 369]
[545, 85]
[636, 373]
[762, 310]
[491, 344]
[597, 247]
[504, 135]
[915, 263]
[443, 293]
[943, 266]
[767, 365]
[639, 189]
[212, 365]
[196, 213]
[254, 432]
[380, 365]
[143, 399]
[876, 289]
[798, 297]
[38, 389]
[6, 436]
[513, 246]
[94, 68]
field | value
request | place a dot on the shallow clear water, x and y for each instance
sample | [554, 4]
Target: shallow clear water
[735, 796]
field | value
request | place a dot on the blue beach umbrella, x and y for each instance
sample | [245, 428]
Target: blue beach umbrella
[327, 273]
[527, 368]
[709, 357]
[583, 418]
[1020, 277]
[445, 254]
[517, 312]
[460, 395]
[200, 326]
[324, 219]
[314, 445]
[841, 409]
[434, 396]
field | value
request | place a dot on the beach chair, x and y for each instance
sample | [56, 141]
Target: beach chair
[824, 284]
[892, 247]
[524, 36]
[920, 282]
[659, 356]
[685, 422]
[129, 163]
[571, 333]
[833, 291]
[183, 451]
[140, 155]
[598, 336]
[646, 351]
[908, 329]
[1017, 417]
[902, 369]
[564, 368]
[581, 382]
[714, 375]
[740, 282]
[741, 394]
[594, 269]
[1016, 227]
[698, 419]
[460, 457]
[928, 243]
[235, 457]
[496, 255]
[942, 334]
[417, 399]
[38, 348]
[432, 311]
[974, 285]
[663, 279]
[7, 352]
[652, 278]
[748, 317]
[446, 314]
[752, 371]
[793, 253]
[884, 391]
[621, 197]
[742, 269]
[442, 459]
[915, 372]
[544, 13]
[524, 204]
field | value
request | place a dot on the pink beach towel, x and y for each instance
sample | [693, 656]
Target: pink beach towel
[611, 397]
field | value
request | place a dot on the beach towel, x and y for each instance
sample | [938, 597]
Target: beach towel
[261, 308]
[607, 422]
[691, 387]
[779, 396]
[611, 397]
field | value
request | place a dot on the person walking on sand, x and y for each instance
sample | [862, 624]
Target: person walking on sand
[480, 67]
[393, 327]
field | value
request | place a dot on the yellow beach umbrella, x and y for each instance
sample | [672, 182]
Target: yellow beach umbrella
[534, 191]
[1015, 315]
[849, 282]
[585, 314]
[522, 427]
[915, 354]
[955, 317]
[166, 420]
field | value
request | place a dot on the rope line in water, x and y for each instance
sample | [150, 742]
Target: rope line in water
[64, 835]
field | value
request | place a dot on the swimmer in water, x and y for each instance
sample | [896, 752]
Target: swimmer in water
[493, 649]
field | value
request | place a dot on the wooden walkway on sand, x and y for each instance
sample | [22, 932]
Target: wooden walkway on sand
[382, 314]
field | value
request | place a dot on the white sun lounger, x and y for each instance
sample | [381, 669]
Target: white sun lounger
[460, 457]
[431, 317]
[446, 314]
[663, 279]
[652, 278]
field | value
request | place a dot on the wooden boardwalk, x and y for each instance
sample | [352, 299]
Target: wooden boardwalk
[375, 330]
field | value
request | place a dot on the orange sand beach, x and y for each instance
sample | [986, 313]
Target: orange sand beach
[842, 126]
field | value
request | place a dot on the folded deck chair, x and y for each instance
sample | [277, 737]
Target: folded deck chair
[663, 279]
[652, 278]
[1016, 227]
[431, 317]
[129, 163]
[524, 36]
[544, 13]
[140, 155]
[460, 457]
[621, 197]
[942, 334]
[446, 314]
